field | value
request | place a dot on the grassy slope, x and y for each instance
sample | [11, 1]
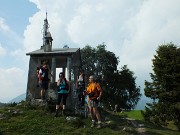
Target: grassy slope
[151, 129]
[38, 121]
[134, 114]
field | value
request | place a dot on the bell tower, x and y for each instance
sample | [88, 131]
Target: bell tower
[47, 38]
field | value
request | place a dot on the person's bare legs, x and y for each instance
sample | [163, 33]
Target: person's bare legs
[96, 112]
[91, 112]
[57, 110]
[92, 116]
[43, 92]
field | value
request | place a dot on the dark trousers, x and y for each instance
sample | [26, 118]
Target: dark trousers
[62, 96]
[81, 98]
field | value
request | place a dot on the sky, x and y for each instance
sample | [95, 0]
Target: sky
[132, 30]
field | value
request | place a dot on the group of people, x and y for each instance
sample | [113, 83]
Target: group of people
[93, 91]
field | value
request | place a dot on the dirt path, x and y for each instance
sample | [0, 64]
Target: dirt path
[139, 127]
[141, 131]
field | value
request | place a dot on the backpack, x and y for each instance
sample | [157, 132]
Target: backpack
[40, 73]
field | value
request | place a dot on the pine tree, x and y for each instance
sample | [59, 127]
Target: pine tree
[165, 86]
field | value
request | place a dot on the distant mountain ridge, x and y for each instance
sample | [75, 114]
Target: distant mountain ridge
[142, 103]
[18, 98]
[2, 104]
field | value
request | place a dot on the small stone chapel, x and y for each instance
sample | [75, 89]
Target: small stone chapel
[65, 58]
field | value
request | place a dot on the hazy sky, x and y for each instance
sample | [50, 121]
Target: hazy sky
[132, 29]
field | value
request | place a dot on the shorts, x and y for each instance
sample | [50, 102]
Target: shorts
[93, 103]
[44, 85]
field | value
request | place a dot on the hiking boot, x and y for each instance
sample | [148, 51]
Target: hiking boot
[56, 115]
[99, 125]
[92, 125]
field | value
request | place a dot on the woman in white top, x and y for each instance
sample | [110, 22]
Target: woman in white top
[80, 86]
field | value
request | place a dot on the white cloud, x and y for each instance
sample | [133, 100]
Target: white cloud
[17, 53]
[9, 33]
[33, 33]
[3, 51]
[13, 82]
[154, 24]
[3, 26]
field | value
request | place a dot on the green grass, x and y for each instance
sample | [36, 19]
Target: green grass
[134, 114]
[151, 129]
[36, 120]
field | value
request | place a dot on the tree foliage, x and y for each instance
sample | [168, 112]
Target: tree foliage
[118, 86]
[165, 86]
